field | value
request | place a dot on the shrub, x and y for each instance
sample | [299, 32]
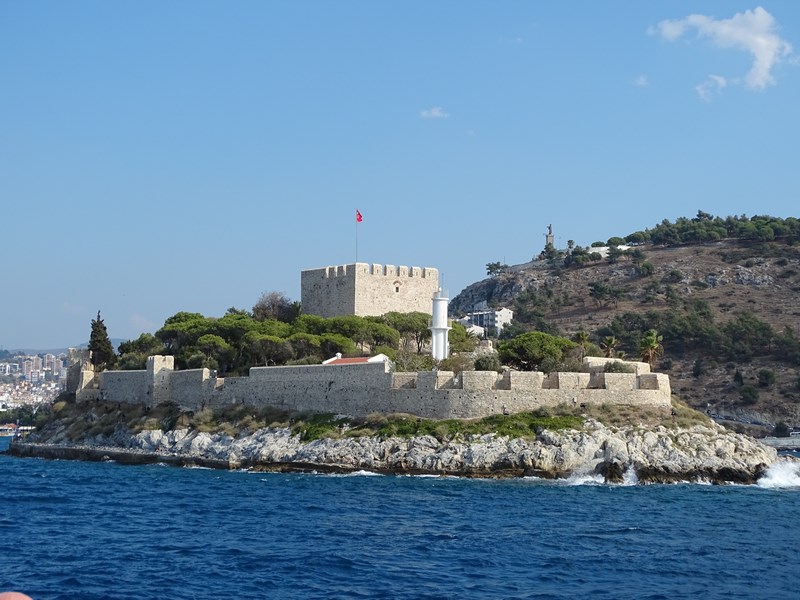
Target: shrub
[748, 394]
[646, 269]
[387, 350]
[781, 430]
[698, 368]
[458, 364]
[766, 377]
[488, 362]
[618, 367]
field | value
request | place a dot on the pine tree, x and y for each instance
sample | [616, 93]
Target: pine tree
[103, 355]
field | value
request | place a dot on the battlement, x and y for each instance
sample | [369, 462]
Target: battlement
[365, 388]
[365, 289]
[375, 269]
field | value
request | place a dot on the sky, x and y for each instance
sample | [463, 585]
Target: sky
[166, 156]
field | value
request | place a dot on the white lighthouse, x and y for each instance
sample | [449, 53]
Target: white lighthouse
[440, 346]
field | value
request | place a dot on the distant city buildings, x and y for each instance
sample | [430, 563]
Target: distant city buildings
[31, 379]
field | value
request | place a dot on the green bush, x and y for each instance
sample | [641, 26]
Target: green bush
[488, 362]
[618, 367]
[458, 364]
[748, 394]
[766, 377]
[781, 430]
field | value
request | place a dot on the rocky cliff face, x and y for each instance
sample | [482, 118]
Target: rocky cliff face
[659, 455]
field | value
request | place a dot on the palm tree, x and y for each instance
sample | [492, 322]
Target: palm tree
[651, 347]
[582, 339]
[609, 345]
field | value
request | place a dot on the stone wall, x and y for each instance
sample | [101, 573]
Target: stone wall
[361, 389]
[123, 386]
[367, 290]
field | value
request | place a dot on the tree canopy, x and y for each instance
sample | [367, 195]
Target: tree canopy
[531, 351]
[103, 355]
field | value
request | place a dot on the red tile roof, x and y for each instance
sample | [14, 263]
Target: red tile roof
[348, 361]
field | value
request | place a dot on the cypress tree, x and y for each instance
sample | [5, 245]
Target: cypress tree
[103, 355]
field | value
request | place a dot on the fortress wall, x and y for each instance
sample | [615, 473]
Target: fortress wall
[620, 381]
[328, 292]
[123, 386]
[572, 381]
[159, 368]
[435, 380]
[352, 389]
[452, 404]
[478, 380]
[190, 388]
[653, 381]
[597, 364]
[404, 380]
[86, 379]
[381, 289]
[361, 389]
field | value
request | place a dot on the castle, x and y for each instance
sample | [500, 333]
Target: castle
[367, 290]
[365, 388]
[359, 389]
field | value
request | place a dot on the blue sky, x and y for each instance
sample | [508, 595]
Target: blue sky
[188, 155]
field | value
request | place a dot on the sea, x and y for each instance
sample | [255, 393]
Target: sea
[96, 530]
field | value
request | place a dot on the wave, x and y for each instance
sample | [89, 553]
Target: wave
[782, 474]
[361, 473]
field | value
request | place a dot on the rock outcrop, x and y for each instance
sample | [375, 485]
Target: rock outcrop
[702, 453]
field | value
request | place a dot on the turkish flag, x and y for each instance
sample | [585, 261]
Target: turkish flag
[359, 218]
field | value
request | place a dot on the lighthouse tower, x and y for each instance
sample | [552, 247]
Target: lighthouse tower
[440, 346]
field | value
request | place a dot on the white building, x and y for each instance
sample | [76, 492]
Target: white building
[483, 316]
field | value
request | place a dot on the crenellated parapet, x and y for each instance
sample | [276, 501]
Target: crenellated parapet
[367, 289]
[361, 389]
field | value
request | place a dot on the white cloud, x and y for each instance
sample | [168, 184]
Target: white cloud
[641, 81]
[713, 84]
[437, 112]
[752, 31]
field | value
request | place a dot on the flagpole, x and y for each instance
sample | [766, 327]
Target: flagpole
[358, 220]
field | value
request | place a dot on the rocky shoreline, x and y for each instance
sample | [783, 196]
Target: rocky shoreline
[656, 455]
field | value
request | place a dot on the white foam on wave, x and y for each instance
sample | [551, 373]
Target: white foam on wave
[629, 477]
[782, 474]
[585, 479]
[361, 473]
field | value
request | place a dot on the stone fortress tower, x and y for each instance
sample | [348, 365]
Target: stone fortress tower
[367, 289]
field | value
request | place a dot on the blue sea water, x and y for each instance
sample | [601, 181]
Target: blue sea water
[103, 530]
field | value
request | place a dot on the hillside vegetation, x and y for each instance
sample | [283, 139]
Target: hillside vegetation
[723, 293]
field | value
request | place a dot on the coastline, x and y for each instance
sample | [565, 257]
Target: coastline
[660, 455]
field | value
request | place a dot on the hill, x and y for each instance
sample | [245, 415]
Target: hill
[727, 310]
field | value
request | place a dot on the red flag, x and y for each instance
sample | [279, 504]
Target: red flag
[359, 218]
